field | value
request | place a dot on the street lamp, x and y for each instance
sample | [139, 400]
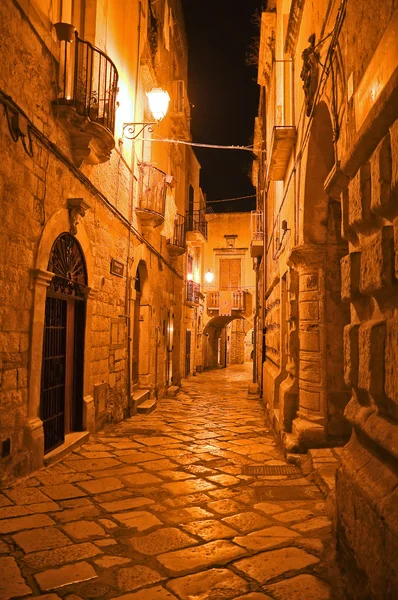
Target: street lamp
[158, 103]
[209, 276]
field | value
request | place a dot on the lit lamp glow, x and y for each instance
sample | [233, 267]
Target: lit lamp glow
[158, 100]
[189, 277]
[158, 103]
[209, 276]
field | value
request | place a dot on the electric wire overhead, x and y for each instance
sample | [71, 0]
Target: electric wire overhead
[157, 138]
[230, 199]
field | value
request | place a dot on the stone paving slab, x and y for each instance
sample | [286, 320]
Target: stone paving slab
[268, 565]
[152, 593]
[67, 575]
[158, 508]
[211, 553]
[12, 584]
[214, 583]
[42, 538]
[162, 540]
[301, 587]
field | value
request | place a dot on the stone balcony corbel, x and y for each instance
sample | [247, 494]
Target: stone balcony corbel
[77, 207]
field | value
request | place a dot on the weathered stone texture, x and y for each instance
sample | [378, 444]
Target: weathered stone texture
[350, 275]
[394, 159]
[351, 355]
[382, 202]
[362, 482]
[360, 216]
[371, 341]
[391, 361]
[377, 263]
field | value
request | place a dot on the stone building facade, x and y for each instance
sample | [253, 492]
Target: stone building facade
[93, 218]
[229, 292]
[326, 172]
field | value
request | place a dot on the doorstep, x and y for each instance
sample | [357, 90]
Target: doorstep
[322, 464]
[72, 440]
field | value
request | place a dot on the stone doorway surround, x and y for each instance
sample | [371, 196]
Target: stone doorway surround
[63, 220]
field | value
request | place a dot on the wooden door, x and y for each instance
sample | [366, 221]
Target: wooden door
[136, 340]
[230, 278]
[187, 353]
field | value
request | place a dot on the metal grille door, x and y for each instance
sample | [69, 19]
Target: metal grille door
[188, 353]
[53, 373]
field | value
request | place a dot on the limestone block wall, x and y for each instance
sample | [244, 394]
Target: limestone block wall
[34, 193]
[366, 482]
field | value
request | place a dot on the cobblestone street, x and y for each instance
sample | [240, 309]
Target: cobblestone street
[171, 505]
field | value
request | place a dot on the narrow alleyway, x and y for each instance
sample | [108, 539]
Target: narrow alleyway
[192, 502]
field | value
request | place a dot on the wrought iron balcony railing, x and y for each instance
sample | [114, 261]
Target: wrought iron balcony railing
[177, 243]
[238, 300]
[213, 300]
[196, 221]
[88, 82]
[256, 225]
[234, 300]
[193, 292]
[257, 233]
[151, 194]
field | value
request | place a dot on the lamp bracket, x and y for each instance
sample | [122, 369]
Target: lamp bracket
[130, 129]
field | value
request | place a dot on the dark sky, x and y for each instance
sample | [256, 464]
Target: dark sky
[224, 92]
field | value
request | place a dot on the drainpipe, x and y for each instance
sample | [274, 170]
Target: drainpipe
[156, 360]
[129, 279]
[255, 328]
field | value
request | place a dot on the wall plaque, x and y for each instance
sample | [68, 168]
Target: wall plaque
[117, 268]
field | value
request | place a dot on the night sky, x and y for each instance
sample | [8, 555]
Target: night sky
[224, 92]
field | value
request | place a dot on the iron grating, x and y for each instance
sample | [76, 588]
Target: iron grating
[94, 590]
[271, 470]
[267, 493]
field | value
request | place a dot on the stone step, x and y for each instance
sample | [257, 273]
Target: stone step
[172, 391]
[72, 441]
[146, 407]
[138, 397]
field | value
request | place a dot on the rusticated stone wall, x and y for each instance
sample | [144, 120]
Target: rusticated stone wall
[367, 498]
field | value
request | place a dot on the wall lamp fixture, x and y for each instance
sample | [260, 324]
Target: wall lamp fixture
[209, 276]
[158, 104]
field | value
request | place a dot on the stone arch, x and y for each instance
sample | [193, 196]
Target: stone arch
[321, 315]
[320, 160]
[141, 326]
[215, 330]
[57, 224]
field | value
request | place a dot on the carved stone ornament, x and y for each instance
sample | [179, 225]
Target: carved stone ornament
[309, 73]
[77, 208]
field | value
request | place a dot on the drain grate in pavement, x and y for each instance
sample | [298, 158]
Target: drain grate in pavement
[94, 590]
[270, 470]
[133, 431]
[287, 493]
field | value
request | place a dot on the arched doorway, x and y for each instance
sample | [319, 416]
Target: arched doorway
[224, 341]
[61, 398]
[321, 313]
[135, 362]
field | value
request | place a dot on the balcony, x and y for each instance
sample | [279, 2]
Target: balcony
[151, 197]
[86, 102]
[180, 112]
[226, 303]
[281, 137]
[196, 226]
[282, 142]
[193, 293]
[257, 233]
[177, 244]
